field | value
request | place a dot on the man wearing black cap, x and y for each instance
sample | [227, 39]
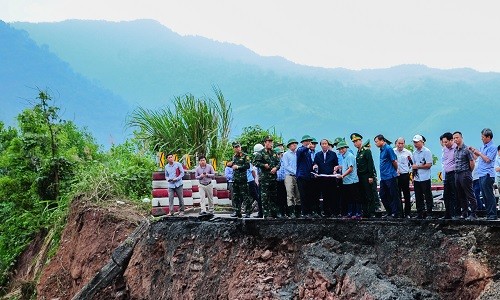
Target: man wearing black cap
[240, 165]
[269, 163]
[366, 174]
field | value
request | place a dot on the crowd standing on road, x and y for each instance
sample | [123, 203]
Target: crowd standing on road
[291, 183]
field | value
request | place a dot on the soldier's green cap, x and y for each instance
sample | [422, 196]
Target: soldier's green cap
[236, 144]
[314, 141]
[356, 136]
[330, 142]
[268, 138]
[337, 140]
[366, 144]
[342, 144]
[279, 144]
[306, 138]
[278, 150]
[291, 141]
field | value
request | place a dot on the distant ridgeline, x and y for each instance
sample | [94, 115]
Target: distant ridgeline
[25, 67]
[144, 63]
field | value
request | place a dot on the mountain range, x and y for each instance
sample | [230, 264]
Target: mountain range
[102, 70]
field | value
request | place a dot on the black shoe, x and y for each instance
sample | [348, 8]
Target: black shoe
[315, 216]
[472, 217]
[235, 215]
[247, 216]
[202, 213]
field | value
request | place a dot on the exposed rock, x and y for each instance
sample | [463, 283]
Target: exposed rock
[281, 259]
[266, 255]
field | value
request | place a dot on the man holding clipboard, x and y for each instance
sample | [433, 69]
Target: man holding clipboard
[323, 164]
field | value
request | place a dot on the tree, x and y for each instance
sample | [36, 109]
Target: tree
[253, 135]
[192, 126]
[38, 162]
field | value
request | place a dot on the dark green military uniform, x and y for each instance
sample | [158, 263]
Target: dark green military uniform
[366, 170]
[268, 184]
[367, 145]
[240, 185]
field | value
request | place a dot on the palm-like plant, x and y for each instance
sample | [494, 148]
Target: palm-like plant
[190, 126]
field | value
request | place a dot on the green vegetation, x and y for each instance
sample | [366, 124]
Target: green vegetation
[45, 163]
[193, 126]
[252, 135]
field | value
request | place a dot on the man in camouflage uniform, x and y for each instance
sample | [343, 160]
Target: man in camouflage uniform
[241, 163]
[366, 174]
[269, 163]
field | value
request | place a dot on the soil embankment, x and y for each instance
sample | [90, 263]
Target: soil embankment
[187, 258]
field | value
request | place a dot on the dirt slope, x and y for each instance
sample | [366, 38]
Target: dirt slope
[91, 234]
[186, 258]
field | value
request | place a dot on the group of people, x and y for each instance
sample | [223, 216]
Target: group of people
[291, 183]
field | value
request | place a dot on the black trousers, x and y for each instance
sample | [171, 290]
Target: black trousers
[465, 193]
[281, 197]
[449, 196]
[342, 201]
[305, 192]
[315, 195]
[351, 193]
[404, 187]
[366, 194]
[328, 189]
[254, 192]
[423, 192]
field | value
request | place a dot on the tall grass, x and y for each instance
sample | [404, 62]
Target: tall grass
[190, 125]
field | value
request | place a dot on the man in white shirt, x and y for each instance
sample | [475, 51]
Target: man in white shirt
[422, 163]
[174, 173]
[404, 169]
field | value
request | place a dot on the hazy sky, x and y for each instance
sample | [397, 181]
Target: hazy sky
[352, 34]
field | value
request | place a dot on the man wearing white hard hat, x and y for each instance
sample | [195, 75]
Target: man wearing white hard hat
[422, 163]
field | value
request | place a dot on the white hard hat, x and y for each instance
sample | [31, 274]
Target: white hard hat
[257, 148]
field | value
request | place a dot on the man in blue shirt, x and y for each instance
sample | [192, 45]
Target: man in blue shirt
[280, 188]
[497, 167]
[314, 185]
[253, 189]
[389, 192]
[174, 173]
[486, 171]
[303, 173]
[289, 166]
[350, 181]
[228, 173]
